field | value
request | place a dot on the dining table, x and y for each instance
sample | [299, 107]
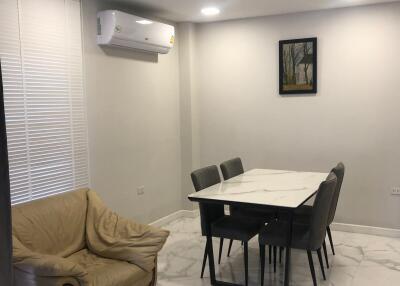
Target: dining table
[282, 190]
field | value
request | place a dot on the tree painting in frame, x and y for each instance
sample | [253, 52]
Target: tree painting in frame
[298, 66]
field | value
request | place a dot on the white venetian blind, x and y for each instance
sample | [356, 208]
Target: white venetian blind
[41, 54]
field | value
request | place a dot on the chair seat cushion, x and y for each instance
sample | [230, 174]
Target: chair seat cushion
[261, 214]
[236, 228]
[276, 234]
[301, 215]
[304, 210]
[108, 272]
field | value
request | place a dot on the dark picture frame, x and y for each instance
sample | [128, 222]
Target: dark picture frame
[298, 66]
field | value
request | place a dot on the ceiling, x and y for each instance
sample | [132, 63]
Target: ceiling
[189, 10]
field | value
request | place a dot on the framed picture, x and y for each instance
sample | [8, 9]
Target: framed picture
[298, 66]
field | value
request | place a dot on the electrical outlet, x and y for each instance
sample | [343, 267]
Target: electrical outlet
[396, 191]
[140, 190]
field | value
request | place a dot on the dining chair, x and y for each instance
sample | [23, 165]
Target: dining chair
[222, 226]
[232, 168]
[309, 237]
[304, 212]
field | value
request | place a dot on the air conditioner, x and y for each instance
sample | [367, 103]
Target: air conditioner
[115, 28]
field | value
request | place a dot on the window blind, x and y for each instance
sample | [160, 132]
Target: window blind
[41, 54]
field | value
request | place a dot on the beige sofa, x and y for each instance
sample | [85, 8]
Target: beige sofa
[55, 228]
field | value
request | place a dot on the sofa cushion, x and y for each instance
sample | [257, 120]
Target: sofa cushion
[108, 272]
[43, 264]
[54, 226]
[22, 278]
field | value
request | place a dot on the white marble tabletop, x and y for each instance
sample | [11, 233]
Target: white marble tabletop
[288, 189]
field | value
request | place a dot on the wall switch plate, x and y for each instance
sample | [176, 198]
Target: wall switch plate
[140, 190]
[396, 191]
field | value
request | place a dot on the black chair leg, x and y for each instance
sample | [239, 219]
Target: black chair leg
[310, 261]
[326, 254]
[242, 243]
[262, 263]
[321, 263]
[204, 261]
[270, 254]
[230, 247]
[246, 263]
[330, 239]
[274, 259]
[221, 244]
[288, 253]
[280, 255]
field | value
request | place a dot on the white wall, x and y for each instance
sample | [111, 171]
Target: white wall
[134, 125]
[152, 121]
[354, 118]
[188, 141]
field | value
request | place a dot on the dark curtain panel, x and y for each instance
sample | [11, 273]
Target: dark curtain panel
[5, 205]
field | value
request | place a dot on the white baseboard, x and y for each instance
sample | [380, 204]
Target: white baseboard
[364, 229]
[174, 216]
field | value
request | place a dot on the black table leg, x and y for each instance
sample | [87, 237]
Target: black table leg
[288, 250]
[211, 265]
[211, 259]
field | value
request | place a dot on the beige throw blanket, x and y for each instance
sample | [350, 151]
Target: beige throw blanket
[111, 236]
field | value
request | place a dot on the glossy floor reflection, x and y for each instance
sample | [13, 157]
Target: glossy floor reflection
[360, 260]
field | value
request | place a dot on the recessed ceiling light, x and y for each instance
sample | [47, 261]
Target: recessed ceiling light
[144, 22]
[210, 11]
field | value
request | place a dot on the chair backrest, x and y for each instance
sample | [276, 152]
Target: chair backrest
[339, 172]
[231, 168]
[202, 179]
[320, 212]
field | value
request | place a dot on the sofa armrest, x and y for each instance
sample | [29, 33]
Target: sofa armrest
[112, 236]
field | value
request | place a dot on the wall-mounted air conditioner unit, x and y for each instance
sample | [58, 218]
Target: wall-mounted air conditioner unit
[115, 28]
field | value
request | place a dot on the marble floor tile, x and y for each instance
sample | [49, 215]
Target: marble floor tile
[360, 260]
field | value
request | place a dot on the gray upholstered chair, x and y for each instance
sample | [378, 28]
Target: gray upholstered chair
[233, 168]
[310, 236]
[222, 226]
[304, 212]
